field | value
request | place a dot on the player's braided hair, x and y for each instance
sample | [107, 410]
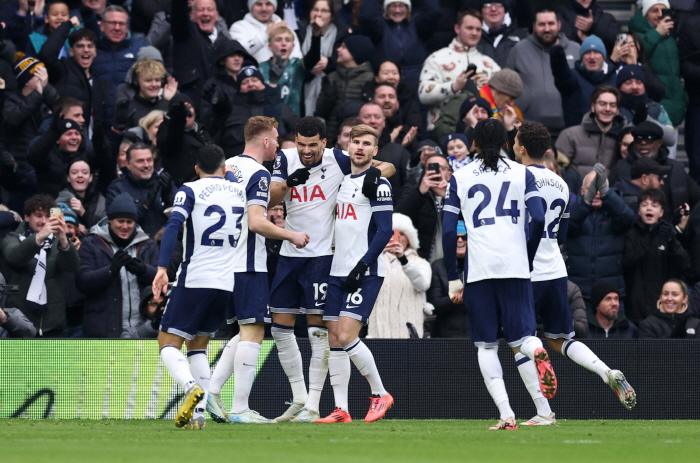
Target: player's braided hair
[490, 135]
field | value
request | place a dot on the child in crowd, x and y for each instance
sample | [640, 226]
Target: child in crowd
[56, 14]
[282, 71]
[456, 146]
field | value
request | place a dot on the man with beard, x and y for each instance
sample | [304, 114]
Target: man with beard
[499, 32]
[401, 125]
[541, 101]
[595, 138]
[605, 320]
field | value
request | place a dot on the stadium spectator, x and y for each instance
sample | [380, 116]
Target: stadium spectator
[630, 50]
[581, 19]
[456, 146]
[388, 72]
[541, 101]
[445, 74]
[400, 32]
[461, 114]
[645, 173]
[151, 311]
[402, 126]
[150, 123]
[13, 323]
[596, 236]
[594, 140]
[152, 193]
[416, 165]
[655, 30]
[82, 196]
[501, 92]
[401, 300]
[37, 254]
[343, 139]
[605, 320]
[500, 33]
[672, 319]
[254, 29]
[21, 19]
[689, 51]
[75, 300]
[652, 256]
[353, 70]
[451, 320]
[423, 205]
[117, 261]
[578, 309]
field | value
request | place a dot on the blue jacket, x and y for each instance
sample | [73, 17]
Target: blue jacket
[596, 242]
[112, 64]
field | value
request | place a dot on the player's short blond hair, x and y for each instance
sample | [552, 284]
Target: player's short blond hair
[279, 31]
[362, 130]
[258, 125]
[148, 68]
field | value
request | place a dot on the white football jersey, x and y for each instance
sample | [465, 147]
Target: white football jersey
[213, 208]
[493, 207]
[549, 263]
[357, 221]
[311, 206]
[251, 254]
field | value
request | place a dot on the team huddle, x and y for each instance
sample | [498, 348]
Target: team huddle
[339, 220]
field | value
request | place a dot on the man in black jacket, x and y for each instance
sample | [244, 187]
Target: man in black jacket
[499, 34]
[605, 320]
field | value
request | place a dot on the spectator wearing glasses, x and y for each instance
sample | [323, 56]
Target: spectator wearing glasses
[645, 173]
[500, 33]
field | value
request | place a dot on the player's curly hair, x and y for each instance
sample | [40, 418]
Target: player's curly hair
[310, 126]
[535, 138]
[490, 136]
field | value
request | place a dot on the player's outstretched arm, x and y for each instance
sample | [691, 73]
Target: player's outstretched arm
[258, 223]
[277, 192]
[160, 282]
[387, 168]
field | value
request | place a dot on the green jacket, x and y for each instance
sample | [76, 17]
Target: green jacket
[291, 83]
[662, 54]
[449, 116]
[19, 256]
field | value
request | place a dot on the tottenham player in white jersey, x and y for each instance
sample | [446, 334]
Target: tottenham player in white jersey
[549, 279]
[362, 230]
[307, 179]
[210, 209]
[251, 290]
[495, 196]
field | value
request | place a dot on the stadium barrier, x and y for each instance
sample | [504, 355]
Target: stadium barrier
[124, 379]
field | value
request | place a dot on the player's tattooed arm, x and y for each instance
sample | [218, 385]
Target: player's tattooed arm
[387, 168]
[258, 223]
[277, 192]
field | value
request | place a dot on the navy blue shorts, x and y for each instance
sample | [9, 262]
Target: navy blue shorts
[357, 305]
[497, 303]
[194, 312]
[552, 305]
[251, 294]
[300, 285]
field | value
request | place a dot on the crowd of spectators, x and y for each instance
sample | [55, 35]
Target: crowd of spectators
[104, 105]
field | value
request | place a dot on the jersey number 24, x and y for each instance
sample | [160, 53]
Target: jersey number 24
[237, 213]
[513, 212]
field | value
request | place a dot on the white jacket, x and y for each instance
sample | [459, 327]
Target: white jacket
[252, 34]
[442, 68]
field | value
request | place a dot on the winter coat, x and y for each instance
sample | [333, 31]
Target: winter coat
[106, 313]
[449, 116]
[94, 204]
[338, 87]
[656, 114]
[290, 83]
[423, 212]
[22, 117]
[442, 68]
[578, 309]
[451, 319]
[401, 297]
[585, 144]
[217, 106]
[252, 34]
[662, 325]
[540, 101]
[605, 26]
[678, 186]
[595, 242]
[576, 85]
[629, 192]
[70, 79]
[404, 42]
[399, 157]
[662, 54]
[21, 264]
[140, 107]
[498, 44]
[409, 111]
[648, 262]
[689, 53]
[622, 328]
[149, 219]
[17, 325]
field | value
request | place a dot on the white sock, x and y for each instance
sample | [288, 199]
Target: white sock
[528, 373]
[339, 371]
[177, 366]
[224, 368]
[199, 366]
[244, 367]
[363, 359]
[529, 346]
[581, 354]
[290, 358]
[318, 367]
[492, 372]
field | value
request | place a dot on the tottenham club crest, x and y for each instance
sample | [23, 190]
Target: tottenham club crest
[262, 184]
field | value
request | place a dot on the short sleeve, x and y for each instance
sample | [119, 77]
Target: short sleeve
[343, 160]
[531, 190]
[184, 201]
[258, 189]
[279, 168]
[384, 201]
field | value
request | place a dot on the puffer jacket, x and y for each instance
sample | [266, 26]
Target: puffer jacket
[21, 263]
[595, 242]
[585, 144]
[107, 314]
[22, 117]
[578, 309]
[662, 325]
[662, 53]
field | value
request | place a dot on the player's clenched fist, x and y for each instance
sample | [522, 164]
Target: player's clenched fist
[354, 279]
[299, 239]
[298, 177]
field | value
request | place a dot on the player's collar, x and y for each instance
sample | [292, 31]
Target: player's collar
[358, 175]
[539, 166]
[246, 156]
